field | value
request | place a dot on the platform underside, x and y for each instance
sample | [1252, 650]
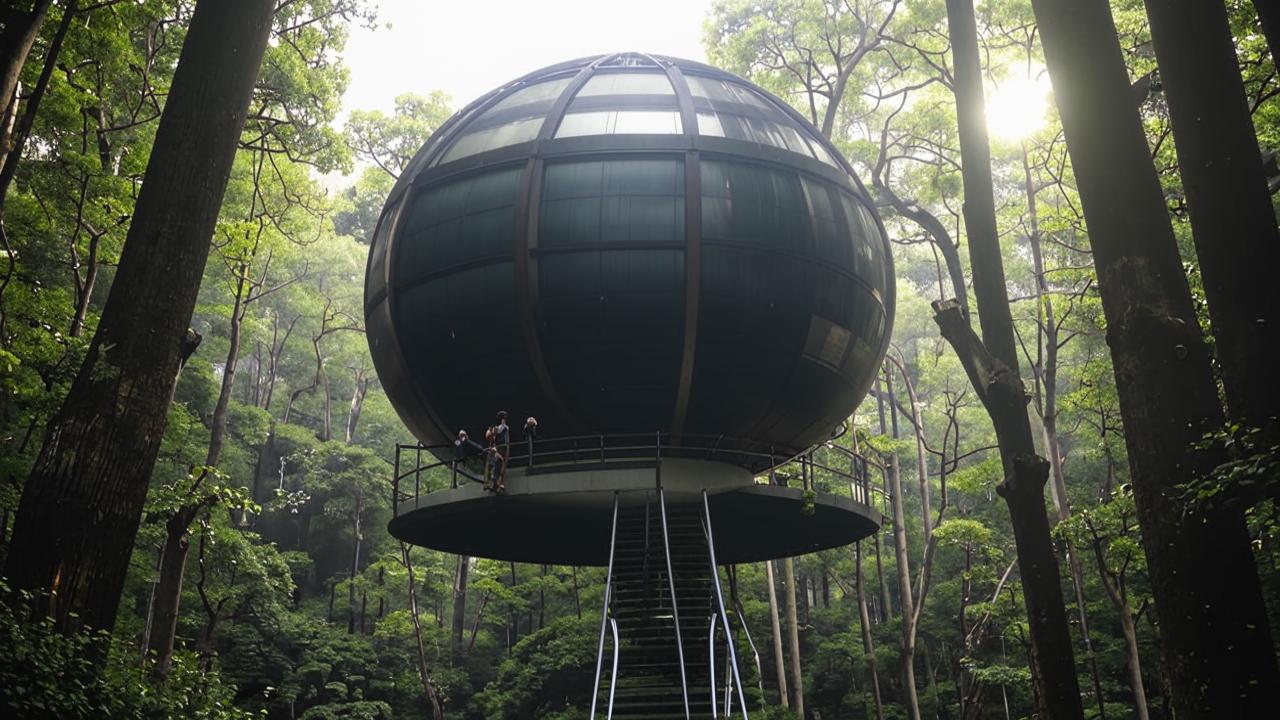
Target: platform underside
[563, 518]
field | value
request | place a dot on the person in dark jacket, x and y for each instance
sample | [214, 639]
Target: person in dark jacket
[502, 452]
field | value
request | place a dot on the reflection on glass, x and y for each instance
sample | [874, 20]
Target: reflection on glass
[633, 83]
[537, 93]
[727, 92]
[620, 122]
[514, 119]
[490, 138]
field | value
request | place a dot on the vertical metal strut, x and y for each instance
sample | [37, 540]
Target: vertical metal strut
[675, 613]
[604, 616]
[724, 617]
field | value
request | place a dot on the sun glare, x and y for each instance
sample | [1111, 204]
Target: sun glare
[1017, 106]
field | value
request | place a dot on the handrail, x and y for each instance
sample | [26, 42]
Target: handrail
[728, 633]
[567, 452]
[675, 612]
[711, 662]
[604, 613]
[613, 680]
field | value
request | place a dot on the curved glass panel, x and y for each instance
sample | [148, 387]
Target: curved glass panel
[630, 83]
[468, 219]
[513, 119]
[632, 103]
[869, 260]
[727, 109]
[621, 122]
[376, 281]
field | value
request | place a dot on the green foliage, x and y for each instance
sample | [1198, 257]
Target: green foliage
[548, 674]
[44, 673]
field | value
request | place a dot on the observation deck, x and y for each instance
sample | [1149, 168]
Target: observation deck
[560, 492]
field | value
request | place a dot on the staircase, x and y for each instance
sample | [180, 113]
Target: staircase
[650, 685]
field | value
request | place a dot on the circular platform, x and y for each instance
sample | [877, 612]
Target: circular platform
[562, 516]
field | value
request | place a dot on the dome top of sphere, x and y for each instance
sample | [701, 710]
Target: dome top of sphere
[629, 243]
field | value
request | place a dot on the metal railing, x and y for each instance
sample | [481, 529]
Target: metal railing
[827, 468]
[675, 611]
[736, 678]
[605, 620]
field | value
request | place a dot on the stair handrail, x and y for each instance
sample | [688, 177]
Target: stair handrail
[604, 616]
[742, 622]
[711, 663]
[724, 616]
[613, 681]
[675, 612]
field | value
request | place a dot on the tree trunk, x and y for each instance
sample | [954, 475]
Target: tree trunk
[81, 504]
[20, 31]
[173, 562]
[905, 598]
[428, 689]
[778, 661]
[864, 620]
[459, 607]
[1047, 377]
[1269, 20]
[1218, 652]
[358, 540]
[1133, 663]
[357, 404]
[793, 633]
[1232, 218]
[1052, 657]
[13, 135]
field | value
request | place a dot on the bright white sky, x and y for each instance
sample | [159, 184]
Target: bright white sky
[468, 47]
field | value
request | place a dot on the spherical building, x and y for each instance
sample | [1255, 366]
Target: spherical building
[629, 244]
[688, 287]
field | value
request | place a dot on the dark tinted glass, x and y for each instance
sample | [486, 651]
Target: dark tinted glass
[612, 314]
[754, 205]
[463, 220]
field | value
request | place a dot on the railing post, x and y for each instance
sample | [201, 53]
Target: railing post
[417, 474]
[395, 485]
[529, 442]
[453, 471]
[602, 449]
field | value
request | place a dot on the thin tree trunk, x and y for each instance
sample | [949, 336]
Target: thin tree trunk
[1000, 388]
[1219, 652]
[905, 599]
[459, 606]
[20, 31]
[81, 504]
[778, 662]
[864, 620]
[358, 540]
[1047, 376]
[793, 633]
[13, 136]
[429, 693]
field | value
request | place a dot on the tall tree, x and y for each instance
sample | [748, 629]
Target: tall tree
[1232, 218]
[1218, 652]
[21, 28]
[81, 505]
[992, 366]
